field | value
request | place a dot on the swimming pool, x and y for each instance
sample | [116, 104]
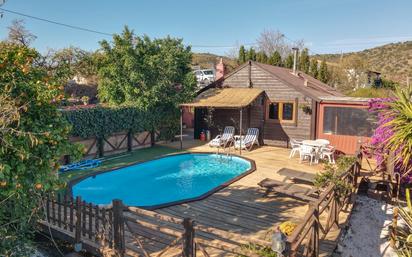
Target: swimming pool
[165, 181]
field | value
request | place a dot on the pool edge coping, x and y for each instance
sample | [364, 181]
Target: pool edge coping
[76, 180]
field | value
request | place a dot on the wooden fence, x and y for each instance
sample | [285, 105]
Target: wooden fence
[115, 143]
[323, 214]
[86, 225]
[99, 230]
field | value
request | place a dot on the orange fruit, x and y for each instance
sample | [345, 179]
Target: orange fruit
[3, 183]
[38, 186]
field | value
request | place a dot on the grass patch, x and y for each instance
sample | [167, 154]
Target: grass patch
[372, 93]
[119, 160]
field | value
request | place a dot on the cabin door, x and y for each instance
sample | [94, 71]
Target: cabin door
[199, 120]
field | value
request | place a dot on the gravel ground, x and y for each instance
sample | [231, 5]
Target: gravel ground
[368, 230]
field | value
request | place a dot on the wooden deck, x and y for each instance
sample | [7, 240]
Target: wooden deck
[235, 215]
[240, 208]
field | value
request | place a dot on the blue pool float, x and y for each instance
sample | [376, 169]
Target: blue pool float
[82, 165]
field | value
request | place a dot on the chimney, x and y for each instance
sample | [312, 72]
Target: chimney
[220, 69]
[295, 59]
[305, 82]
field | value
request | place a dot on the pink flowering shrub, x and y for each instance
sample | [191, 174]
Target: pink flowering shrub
[383, 133]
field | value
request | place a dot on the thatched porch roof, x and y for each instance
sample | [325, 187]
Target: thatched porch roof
[231, 98]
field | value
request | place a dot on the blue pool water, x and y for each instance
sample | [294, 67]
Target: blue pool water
[162, 181]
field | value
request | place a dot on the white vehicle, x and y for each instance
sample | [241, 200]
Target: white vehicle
[205, 76]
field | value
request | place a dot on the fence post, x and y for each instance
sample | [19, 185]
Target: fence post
[188, 238]
[394, 226]
[66, 159]
[118, 227]
[78, 228]
[129, 141]
[152, 138]
[315, 235]
[100, 146]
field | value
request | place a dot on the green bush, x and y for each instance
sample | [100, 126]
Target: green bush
[33, 138]
[332, 175]
[102, 121]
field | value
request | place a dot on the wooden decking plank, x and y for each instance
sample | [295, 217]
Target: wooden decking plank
[213, 222]
[238, 204]
[152, 234]
[228, 216]
[244, 210]
[241, 202]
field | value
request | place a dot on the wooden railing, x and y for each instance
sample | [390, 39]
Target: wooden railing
[323, 215]
[86, 225]
[99, 230]
[189, 238]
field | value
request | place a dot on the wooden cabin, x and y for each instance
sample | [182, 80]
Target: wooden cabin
[283, 104]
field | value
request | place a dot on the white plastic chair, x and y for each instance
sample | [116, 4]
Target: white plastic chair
[328, 152]
[247, 142]
[307, 151]
[295, 144]
[224, 139]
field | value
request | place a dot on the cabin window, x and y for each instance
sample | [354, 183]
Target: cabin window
[348, 121]
[287, 111]
[282, 111]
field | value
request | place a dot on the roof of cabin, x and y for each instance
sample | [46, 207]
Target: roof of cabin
[312, 88]
[344, 100]
[225, 98]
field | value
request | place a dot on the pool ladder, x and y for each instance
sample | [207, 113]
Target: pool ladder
[227, 153]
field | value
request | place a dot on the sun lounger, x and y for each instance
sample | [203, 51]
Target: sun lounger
[224, 139]
[247, 142]
[289, 189]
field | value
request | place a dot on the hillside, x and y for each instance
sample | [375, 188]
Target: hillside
[393, 60]
[205, 60]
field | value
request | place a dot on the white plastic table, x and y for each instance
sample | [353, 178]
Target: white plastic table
[313, 143]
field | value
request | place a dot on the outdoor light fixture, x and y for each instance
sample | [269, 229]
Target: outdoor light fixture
[278, 242]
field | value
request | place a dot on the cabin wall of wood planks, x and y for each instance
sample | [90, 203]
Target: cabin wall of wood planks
[274, 133]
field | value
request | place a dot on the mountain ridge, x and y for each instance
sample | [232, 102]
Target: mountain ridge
[393, 60]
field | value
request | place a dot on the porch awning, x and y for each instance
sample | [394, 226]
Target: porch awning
[225, 98]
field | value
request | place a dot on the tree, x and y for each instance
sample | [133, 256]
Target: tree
[304, 61]
[271, 40]
[289, 61]
[261, 57]
[314, 68]
[145, 72]
[18, 34]
[275, 59]
[33, 138]
[242, 55]
[72, 61]
[323, 74]
[251, 54]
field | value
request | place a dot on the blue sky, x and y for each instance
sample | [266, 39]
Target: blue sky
[327, 26]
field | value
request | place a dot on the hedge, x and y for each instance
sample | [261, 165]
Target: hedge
[101, 121]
